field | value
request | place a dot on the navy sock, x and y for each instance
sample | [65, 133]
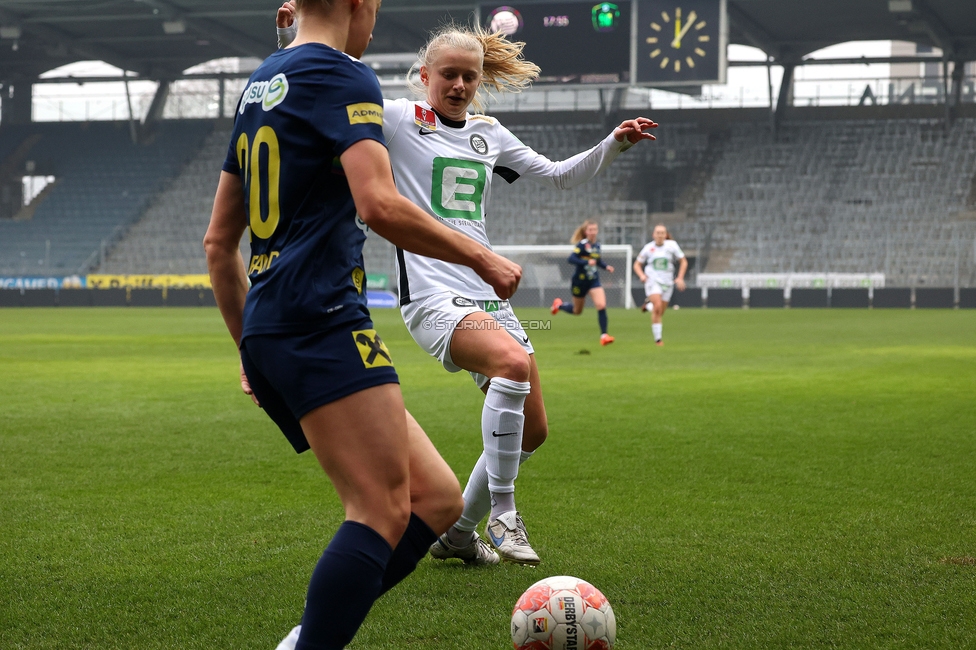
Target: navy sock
[345, 584]
[602, 316]
[567, 307]
[412, 548]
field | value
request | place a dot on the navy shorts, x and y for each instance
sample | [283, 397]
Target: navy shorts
[294, 374]
[582, 286]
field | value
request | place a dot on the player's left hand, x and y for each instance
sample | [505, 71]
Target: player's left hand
[680, 284]
[286, 14]
[246, 386]
[635, 130]
[609, 268]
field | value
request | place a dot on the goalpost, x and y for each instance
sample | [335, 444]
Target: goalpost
[546, 274]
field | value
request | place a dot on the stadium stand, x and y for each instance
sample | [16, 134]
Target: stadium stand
[168, 238]
[843, 196]
[527, 212]
[872, 195]
[104, 183]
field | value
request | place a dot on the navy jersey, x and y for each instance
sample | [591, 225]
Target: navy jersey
[580, 258]
[302, 108]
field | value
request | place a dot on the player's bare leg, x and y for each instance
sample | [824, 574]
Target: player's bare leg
[367, 459]
[435, 495]
[600, 302]
[435, 499]
[536, 421]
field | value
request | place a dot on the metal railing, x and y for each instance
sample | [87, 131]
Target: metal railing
[202, 99]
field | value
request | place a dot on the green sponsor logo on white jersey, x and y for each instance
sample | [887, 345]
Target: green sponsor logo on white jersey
[457, 188]
[660, 264]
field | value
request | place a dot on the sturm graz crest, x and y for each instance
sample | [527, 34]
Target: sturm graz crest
[479, 145]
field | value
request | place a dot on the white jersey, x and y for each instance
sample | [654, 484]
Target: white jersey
[446, 167]
[659, 261]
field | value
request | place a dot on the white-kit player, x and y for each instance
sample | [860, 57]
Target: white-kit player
[655, 266]
[444, 160]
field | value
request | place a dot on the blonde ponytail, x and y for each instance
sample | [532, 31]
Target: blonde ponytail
[503, 67]
[580, 233]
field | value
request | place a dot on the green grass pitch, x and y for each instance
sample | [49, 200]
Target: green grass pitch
[769, 479]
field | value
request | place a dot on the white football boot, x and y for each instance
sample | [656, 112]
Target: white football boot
[288, 643]
[508, 535]
[477, 553]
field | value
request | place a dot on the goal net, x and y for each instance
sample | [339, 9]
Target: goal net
[547, 275]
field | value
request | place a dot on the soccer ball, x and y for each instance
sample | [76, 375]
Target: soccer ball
[563, 613]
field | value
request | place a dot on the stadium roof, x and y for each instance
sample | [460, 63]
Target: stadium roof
[162, 38]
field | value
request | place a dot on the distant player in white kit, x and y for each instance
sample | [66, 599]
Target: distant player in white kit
[655, 268]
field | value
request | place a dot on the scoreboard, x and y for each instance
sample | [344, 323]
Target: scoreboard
[572, 42]
[630, 42]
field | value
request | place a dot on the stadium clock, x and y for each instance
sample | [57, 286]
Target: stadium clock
[681, 42]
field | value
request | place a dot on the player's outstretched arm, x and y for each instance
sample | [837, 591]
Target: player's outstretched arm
[367, 167]
[635, 130]
[578, 169]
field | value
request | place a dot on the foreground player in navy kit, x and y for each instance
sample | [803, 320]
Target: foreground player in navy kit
[307, 152]
[586, 278]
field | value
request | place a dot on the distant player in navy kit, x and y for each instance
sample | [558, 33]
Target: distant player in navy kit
[307, 153]
[586, 278]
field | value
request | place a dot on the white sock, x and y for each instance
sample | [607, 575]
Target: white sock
[502, 420]
[288, 643]
[657, 328]
[477, 497]
[501, 502]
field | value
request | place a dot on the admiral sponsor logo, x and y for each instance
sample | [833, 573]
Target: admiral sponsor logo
[463, 302]
[365, 113]
[479, 145]
[267, 93]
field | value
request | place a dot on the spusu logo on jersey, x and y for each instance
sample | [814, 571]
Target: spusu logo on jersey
[267, 93]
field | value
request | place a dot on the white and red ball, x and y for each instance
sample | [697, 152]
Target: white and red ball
[563, 613]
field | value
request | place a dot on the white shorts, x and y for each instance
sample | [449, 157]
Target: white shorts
[432, 321]
[652, 287]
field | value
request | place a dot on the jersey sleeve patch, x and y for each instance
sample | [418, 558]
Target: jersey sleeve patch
[365, 113]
